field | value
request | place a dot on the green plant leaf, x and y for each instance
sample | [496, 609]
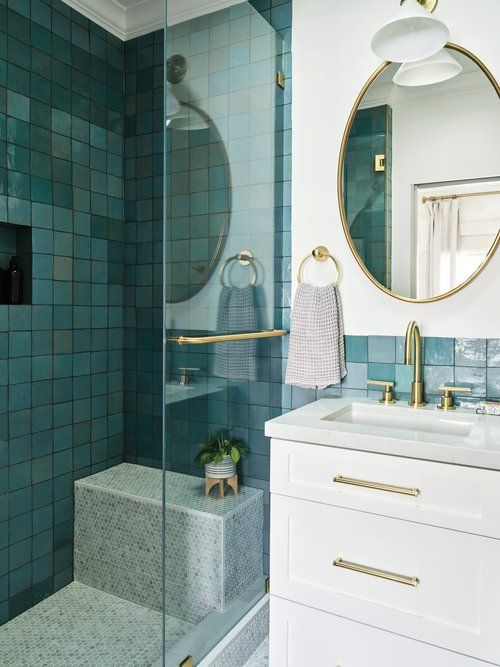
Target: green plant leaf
[235, 455]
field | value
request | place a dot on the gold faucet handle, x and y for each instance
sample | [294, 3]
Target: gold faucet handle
[447, 397]
[387, 395]
[457, 390]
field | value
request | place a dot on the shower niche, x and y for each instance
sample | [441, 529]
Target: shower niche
[15, 241]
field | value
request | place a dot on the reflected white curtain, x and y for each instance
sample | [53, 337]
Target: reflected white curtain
[437, 246]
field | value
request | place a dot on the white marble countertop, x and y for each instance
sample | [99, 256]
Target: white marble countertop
[476, 442]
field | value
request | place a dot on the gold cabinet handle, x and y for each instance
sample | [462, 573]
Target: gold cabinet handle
[340, 479]
[382, 574]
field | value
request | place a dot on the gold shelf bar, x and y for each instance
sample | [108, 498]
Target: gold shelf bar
[340, 479]
[224, 338]
[382, 574]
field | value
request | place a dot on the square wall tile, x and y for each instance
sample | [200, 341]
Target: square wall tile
[470, 352]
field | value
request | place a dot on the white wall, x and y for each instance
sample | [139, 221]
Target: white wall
[332, 61]
[454, 138]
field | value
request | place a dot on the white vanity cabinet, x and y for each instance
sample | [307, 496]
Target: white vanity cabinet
[381, 560]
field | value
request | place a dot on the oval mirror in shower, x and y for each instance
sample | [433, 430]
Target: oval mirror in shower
[419, 175]
[199, 200]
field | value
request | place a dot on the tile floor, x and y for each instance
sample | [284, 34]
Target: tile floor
[98, 629]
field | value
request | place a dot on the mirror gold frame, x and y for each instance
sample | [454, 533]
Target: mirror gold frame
[340, 188]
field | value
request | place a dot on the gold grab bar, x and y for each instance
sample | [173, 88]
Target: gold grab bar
[224, 338]
[382, 574]
[340, 479]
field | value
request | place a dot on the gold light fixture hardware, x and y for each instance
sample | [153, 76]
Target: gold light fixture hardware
[380, 162]
[224, 338]
[320, 254]
[187, 662]
[460, 196]
[245, 258]
[374, 572]
[267, 585]
[280, 79]
[430, 5]
[413, 339]
[402, 490]
[447, 397]
[387, 395]
[340, 186]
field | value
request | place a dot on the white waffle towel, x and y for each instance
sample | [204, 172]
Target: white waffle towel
[236, 360]
[316, 357]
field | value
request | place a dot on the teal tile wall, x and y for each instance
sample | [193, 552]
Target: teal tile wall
[368, 192]
[243, 407]
[469, 362]
[143, 248]
[61, 358]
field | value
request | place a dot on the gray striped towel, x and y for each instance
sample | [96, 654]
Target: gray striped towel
[316, 356]
[236, 360]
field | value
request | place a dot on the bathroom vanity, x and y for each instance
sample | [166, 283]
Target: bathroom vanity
[385, 536]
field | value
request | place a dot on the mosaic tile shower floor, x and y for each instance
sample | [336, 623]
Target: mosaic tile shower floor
[80, 626]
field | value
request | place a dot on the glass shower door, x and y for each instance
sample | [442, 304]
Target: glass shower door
[223, 335]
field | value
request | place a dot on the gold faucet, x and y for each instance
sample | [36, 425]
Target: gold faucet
[417, 387]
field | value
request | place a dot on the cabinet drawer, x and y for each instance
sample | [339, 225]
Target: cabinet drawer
[466, 499]
[303, 636]
[455, 604]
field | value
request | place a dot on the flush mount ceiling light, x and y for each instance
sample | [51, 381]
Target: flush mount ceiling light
[439, 67]
[412, 34]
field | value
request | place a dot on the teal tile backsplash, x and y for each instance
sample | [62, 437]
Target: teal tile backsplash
[471, 362]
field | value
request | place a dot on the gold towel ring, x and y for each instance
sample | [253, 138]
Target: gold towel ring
[245, 258]
[320, 254]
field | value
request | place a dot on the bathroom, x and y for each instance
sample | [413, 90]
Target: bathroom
[198, 466]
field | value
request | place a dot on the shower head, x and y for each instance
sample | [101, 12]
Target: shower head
[177, 68]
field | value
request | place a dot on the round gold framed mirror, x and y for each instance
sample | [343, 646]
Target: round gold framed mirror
[419, 175]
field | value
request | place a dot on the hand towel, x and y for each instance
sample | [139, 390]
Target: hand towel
[316, 357]
[236, 360]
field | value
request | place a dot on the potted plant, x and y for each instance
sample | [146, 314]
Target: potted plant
[220, 454]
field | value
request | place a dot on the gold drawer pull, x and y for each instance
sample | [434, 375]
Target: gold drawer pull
[340, 479]
[356, 567]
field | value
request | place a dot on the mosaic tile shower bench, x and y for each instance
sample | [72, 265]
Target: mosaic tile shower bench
[214, 547]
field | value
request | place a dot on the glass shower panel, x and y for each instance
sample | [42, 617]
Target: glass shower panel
[220, 277]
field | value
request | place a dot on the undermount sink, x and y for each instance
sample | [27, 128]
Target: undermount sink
[396, 417]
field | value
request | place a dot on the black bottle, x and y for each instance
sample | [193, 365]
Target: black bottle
[2, 286]
[14, 282]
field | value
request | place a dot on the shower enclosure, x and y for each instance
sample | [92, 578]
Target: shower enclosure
[226, 131]
[144, 185]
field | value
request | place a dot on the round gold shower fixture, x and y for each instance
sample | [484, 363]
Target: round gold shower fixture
[177, 68]
[430, 5]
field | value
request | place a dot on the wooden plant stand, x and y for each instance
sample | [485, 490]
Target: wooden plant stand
[210, 482]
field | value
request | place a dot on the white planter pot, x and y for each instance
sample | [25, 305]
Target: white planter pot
[223, 470]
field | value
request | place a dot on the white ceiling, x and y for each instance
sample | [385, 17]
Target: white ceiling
[130, 18]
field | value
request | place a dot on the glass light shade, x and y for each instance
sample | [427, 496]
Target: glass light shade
[411, 34]
[439, 67]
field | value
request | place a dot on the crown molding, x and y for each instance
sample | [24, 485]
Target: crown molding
[145, 16]
[185, 10]
[108, 14]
